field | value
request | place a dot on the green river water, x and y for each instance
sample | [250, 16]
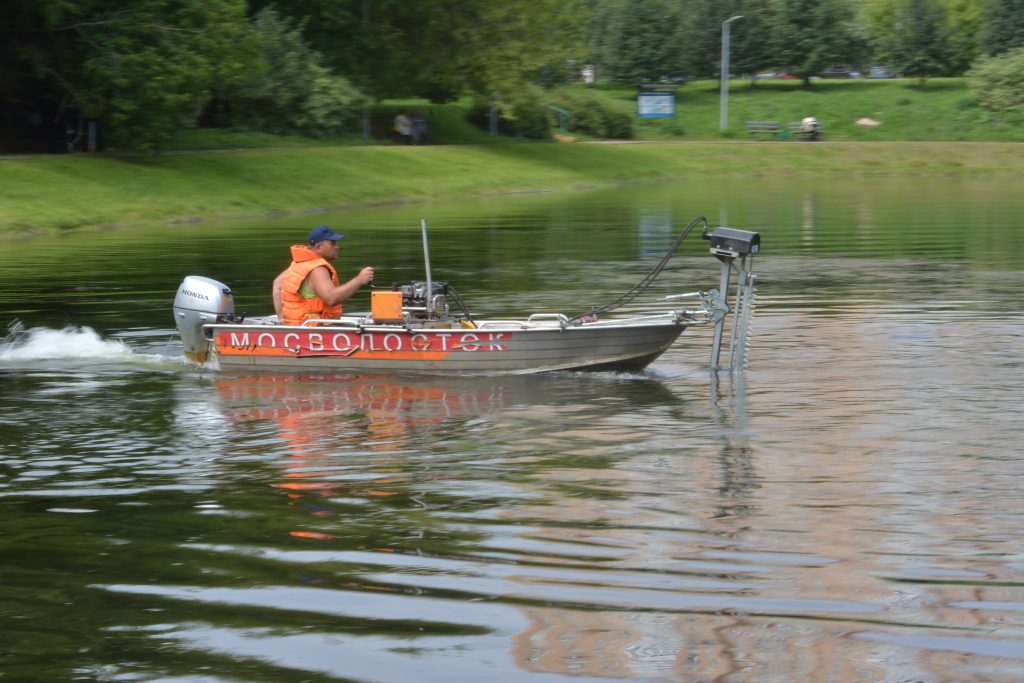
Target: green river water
[848, 509]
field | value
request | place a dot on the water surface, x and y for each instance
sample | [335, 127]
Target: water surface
[848, 509]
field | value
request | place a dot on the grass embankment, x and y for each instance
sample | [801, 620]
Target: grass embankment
[940, 109]
[45, 193]
[293, 174]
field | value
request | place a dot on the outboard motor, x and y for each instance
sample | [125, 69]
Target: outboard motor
[201, 301]
[419, 305]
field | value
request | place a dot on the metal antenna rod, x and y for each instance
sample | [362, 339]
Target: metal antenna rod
[723, 303]
[745, 308]
[426, 258]
[737, 310]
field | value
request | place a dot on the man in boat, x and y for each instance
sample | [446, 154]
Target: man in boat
[309, 287]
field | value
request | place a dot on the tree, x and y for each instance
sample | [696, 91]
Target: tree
[143, 69]
[925, 36]
[643, 40]
[701, 36]
[292, 92]
[752, 39]
[439, 49]
[814, 34]
[372, 43]
[966, 22]
[882, 23]
[496, 48]
[1004, 26]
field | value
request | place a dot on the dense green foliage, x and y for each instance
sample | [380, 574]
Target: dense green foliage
[1004, 27]
[966, 21]
[654, 40]
[925, 48]
[594, 115]
[438, 49]
[627, 50]
[998, 82]
[523, 115]
[814, 34]
[142, 71]
[292, 92]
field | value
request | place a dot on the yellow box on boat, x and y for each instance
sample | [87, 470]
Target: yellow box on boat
[386, 306]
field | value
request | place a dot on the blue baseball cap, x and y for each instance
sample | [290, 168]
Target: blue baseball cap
[323, 232]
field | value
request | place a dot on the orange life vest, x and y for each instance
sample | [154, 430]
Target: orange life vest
[297, 307]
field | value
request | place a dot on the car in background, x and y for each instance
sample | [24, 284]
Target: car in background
[881, 72]
[840, 71]
[775, 75]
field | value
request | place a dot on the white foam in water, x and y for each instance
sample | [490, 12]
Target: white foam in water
[42, 343]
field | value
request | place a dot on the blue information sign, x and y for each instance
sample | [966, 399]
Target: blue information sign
[656, 105]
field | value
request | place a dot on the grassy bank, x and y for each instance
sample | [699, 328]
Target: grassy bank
[225, 174]
[81, 192]
[942, 109]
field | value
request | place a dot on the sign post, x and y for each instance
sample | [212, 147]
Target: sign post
[723, 107]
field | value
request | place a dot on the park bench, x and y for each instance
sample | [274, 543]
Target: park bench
[796, 129]
[768, 128]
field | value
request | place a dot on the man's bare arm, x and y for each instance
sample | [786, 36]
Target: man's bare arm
[320, 281]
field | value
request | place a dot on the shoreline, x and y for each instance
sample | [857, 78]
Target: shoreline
[60, 194]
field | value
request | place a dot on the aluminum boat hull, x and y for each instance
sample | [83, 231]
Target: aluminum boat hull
[492, 347]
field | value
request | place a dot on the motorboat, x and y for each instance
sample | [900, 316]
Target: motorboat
[411, 327]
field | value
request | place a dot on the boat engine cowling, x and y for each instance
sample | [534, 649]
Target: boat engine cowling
[200, 301]
[418, 303]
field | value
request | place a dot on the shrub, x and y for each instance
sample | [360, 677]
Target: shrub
[522, 116]
[293, 92]
[331, 106]
[998, 82]
[594, 116]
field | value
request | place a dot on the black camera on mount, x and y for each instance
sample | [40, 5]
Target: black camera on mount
[729, 243]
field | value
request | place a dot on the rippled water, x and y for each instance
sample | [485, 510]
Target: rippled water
[848, 509]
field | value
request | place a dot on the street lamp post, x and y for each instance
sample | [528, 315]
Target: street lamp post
[723, 109]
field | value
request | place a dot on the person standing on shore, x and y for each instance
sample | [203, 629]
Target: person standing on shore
[403, 127]
[309, 288]
[810, 128]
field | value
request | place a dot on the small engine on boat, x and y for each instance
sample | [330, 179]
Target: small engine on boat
[416, 303]
[201, 301]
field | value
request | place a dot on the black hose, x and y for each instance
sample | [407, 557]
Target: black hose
[461, 303]
[639, 287]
